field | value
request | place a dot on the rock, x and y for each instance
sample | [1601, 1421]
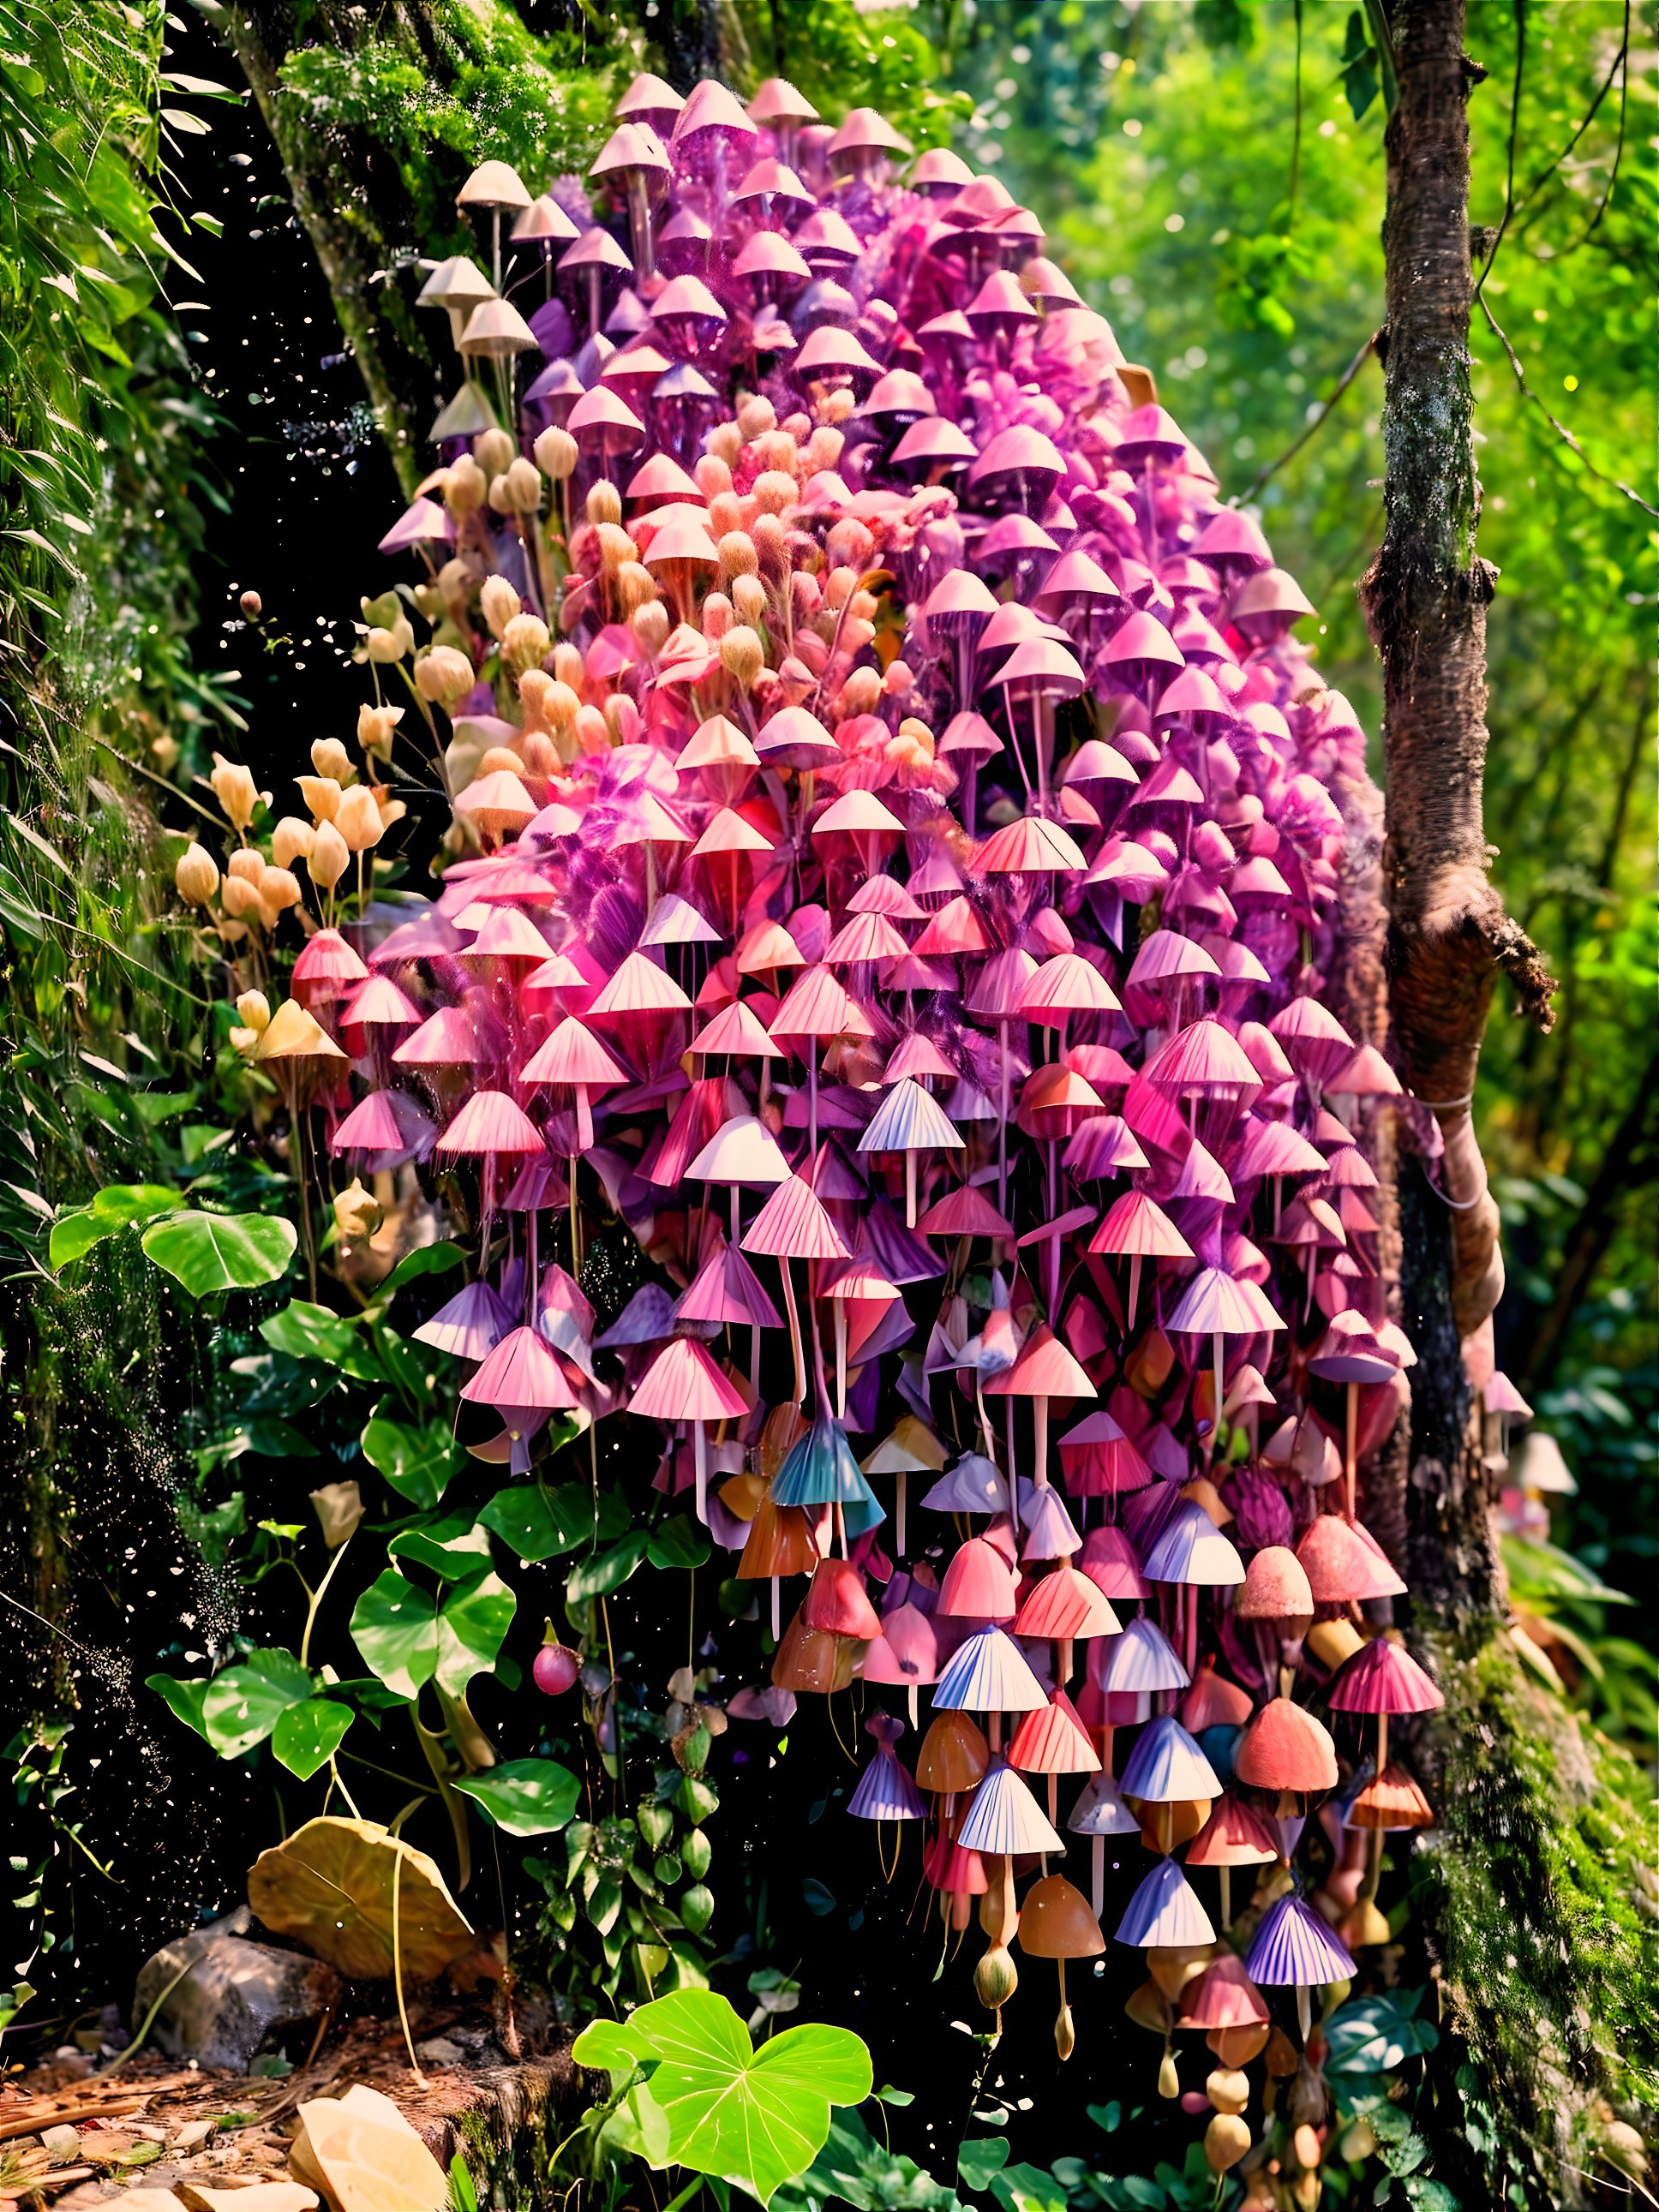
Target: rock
[63, 2142]
[237, 1995]
[439, 2051]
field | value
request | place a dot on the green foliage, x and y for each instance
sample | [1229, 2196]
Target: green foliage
[841, 54]
[486, 88]
[754, 2118]
[526, 1796]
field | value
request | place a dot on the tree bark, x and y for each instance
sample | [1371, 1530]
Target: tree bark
[354, 205]
[1425, 599]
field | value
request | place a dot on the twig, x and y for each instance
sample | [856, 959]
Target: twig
[1317, 423]
[1520, 7]
[1560, 428]
[1590, 114]
[149, 2019]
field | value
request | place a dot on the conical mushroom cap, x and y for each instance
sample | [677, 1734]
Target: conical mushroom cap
[954, 1755]
[1285, 1748]
[1056, 1921]
[1276, 1587]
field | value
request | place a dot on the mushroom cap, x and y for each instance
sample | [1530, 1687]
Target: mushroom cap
[1285, 1748]
[331, 1886]
[1276, 1587]
[1056, 1921]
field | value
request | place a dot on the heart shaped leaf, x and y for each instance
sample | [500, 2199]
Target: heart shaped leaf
[418, 1463]
[754, 2118]
[308, 1735]
[537, 1524]
[212, 1252]
[243, 1705]
[525, 1796]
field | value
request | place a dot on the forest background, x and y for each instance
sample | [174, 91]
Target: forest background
[184, 421]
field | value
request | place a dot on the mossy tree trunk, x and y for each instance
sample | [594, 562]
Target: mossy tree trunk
[352, 198]
[1527, 1890]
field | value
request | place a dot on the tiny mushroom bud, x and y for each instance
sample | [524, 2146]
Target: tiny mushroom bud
[500, 495]
[493, 450]
[357, 1214]
[251, 605]
[465, 488]
[712, 476]
[717, 614]
[339, 1505]
[742, 655]
[724, 442]
[387, 646]
[738, 554]
[569, 666]
[329, 858]
[195, 874]
[376, 726]
[290, 841]
[556, 454]
[726, 514]
[253, 1011]
[603, 502]
[321, 793]
[755, 416]
[330, 758]
[236, 791]
[246, 867]
[278, 890]
[774, 491]
[239, 898]
[164, 751]
[499, 602]
[525, 643]
[749, 600]
[444, 675]
[651, 627]
[359, 818]
[524, 485]
[635, 586]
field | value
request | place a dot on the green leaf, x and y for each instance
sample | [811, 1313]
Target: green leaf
[471, 1626]
[609, 2047]
[679, 1542]
[308, 1332]
[454, 1547]
[537, 1524]
[394, 1626]
[1375, 2035]
[754, 2118]
[308, 1735]
[607, 1570]
[525, 1796]
[244, 1705]
[185, 1699]
[418, 1463]
[74, 1234]
[119, 1203]
[210, 1252]
[425, 1260]
[977, 2160]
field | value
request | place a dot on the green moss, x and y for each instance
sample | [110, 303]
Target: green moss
[486, 89]
[1531, 1890]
